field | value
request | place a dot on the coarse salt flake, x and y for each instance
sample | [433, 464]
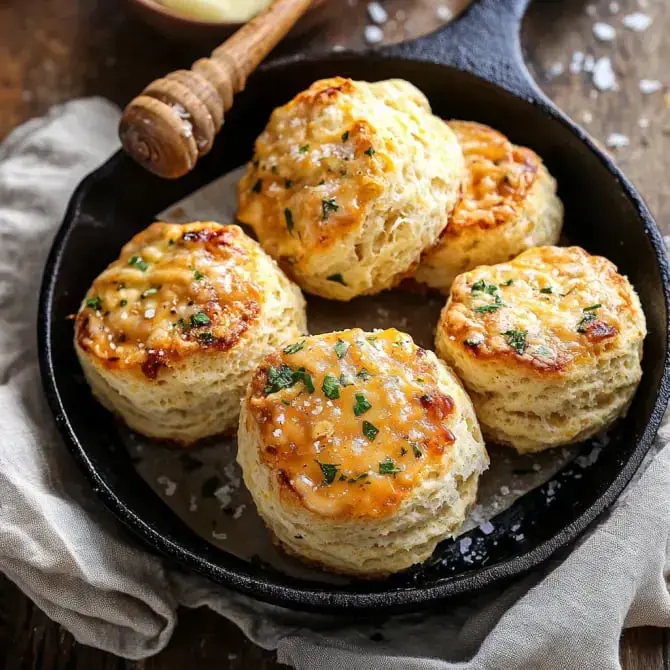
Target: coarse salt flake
[444, 13]
[377, 13]
[149, 313]
[373, 34]
[637, 21]
[170, 486]
[649, 86]
[604, 78]
[617, 140]
[487, 527]
[603, 31]
[464, 544]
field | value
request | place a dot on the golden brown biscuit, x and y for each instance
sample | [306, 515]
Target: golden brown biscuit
[509, 204]
[350, 183]
[548, 345]
[361, 450]
[169, 334]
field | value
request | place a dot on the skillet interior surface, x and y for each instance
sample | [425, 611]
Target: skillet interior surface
[603, 214]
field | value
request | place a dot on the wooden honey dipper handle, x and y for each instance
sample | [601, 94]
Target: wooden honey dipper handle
[175, 119]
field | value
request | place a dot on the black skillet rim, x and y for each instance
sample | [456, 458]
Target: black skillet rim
[325, 599]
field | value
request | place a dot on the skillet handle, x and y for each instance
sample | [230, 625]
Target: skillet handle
[484, 41]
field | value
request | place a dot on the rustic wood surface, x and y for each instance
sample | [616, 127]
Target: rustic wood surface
[54, 50]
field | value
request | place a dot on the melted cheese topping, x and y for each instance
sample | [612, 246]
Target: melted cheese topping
[354, 438]
[324, 160]
[499, 177]
[548, 308]
[174, 291]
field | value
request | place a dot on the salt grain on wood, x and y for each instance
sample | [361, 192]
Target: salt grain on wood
[649, 86]
[617, 140]
[604, 31]
[373, 34]
[637, 21]
[604, 78]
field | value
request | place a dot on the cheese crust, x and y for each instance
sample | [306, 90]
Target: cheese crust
[182, 299]
[350, 436]
[350, 182]
[509, 204]
[549, 345]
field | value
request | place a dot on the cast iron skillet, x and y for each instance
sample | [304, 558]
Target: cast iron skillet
[472, 69]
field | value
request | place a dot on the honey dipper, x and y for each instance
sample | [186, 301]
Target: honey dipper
[175, 119]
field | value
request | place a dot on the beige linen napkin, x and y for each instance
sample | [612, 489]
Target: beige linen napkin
[67, 553]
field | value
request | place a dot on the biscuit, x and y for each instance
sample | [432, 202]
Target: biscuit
[361, 450]
[169, 334]
[548, 345]
[509, 204]
[350, 183]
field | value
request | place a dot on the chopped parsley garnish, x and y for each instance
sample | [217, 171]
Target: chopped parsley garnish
[279, 378]
[509, 282]
[370, 431]
[345, 135]
[288, 215]
[357, 478]
[123, 302]
[338, 278]
[94, 303]
[197, 275]
[137, 262]
[206, 338]
[288, 183]
[343, 478]
[301, 375]
[294, 348]
[341, 348]
[200, 319]
[331, 387]
[472, 343]
[257, 186]
[588, 318]
[364, 375]
[370, 152]
[329, 471]
[403, 451]
[304, 148]
[387, 467]
[547, 289]
[150, 291]
[417, 452]
[484, 309]
[517, 340]
[362, 405]
[481, 286]
[327, 206]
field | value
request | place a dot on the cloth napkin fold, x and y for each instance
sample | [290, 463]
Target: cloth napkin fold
[69, 555]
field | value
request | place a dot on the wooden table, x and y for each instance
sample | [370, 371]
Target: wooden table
[54, 50]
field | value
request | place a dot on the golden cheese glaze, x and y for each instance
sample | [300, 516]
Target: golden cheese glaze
[350, 182]
[499, 176]
[508, 205]
[175, 290]
[548, 345]
[349, 421]
[170, 333]
[547, 310]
